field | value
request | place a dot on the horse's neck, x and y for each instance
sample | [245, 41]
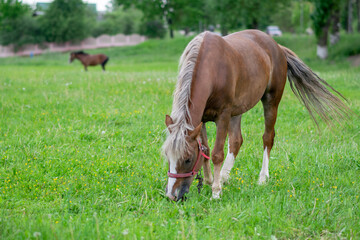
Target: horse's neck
[200, 93]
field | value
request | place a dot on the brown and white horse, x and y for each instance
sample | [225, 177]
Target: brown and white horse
[89, 60]
[220, 78]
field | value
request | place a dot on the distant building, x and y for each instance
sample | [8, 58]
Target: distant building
[42, 6]
[91, 6]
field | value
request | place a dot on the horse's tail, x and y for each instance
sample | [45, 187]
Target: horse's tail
[312, 91]
[105, 61]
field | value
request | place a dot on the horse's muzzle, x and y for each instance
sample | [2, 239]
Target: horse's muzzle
[170, 195]
[179, 193]
[183, 189]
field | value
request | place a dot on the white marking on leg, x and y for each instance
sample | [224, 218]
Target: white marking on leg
[264, 173]
[228, 165]
[216, 187]
[171, 181]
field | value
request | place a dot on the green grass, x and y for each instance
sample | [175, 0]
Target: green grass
[80, 155]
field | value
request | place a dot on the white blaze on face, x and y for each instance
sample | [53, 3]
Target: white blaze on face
[171, 181]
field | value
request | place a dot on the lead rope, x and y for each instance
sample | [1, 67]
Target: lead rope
[200, 184]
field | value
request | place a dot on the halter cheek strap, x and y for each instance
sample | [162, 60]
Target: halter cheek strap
[193, 171]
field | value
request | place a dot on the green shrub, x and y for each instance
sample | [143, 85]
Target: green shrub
[154, 29]
[119, 21]
[65, 21]
[20, 31]
[348, 45]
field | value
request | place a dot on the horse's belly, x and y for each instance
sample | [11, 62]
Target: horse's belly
[243, 107]
[247, 101]
[245, 97]
[248, 94]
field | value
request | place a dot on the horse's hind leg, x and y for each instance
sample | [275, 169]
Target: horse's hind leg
[234, 143]
[207, 168]
[270, 104]
[104, 63]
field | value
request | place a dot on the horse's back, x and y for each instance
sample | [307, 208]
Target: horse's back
[269, 54]
[97, 59]
[249, 41]
[101, 57]
[254, 35]
[244, 64]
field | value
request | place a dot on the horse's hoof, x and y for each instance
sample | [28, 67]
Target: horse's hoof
[216, 195]
[263, 180]
[224, 178]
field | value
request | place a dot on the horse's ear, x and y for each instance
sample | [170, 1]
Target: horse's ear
[196, 132]
[168, 121]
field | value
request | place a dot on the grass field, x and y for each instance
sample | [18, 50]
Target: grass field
[80, 155]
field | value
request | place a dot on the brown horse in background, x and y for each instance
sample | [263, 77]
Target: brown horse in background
[89, 60]
[220, 78]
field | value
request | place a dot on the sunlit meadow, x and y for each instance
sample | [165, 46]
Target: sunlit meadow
[80, 155]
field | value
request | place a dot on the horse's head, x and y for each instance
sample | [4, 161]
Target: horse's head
[183, 164]
[72, 57]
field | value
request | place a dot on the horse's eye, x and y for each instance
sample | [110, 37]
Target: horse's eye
[187, 161]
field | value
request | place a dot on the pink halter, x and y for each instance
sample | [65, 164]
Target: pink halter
[193, 171]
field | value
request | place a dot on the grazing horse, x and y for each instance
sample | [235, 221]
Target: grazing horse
[89, 60]
[220, 78]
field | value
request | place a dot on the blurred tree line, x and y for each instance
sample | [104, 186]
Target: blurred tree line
[64, 20]
[71, 20]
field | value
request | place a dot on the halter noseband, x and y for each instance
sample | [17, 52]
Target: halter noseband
[193, 171]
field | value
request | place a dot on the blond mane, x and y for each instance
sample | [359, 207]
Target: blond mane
[175, 144]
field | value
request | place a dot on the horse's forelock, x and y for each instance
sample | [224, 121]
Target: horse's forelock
[175, 145]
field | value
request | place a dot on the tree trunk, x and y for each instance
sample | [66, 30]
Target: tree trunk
[254, 24]
[224, 30]
[335, 27]
[186, 31]
[171, 28]
[223, 26]
[350, 16]
[322, 50]
[301, 17]
[358, 15]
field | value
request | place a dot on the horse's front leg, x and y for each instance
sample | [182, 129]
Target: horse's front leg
[217, 155]
[85, 65]
[207, 168]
